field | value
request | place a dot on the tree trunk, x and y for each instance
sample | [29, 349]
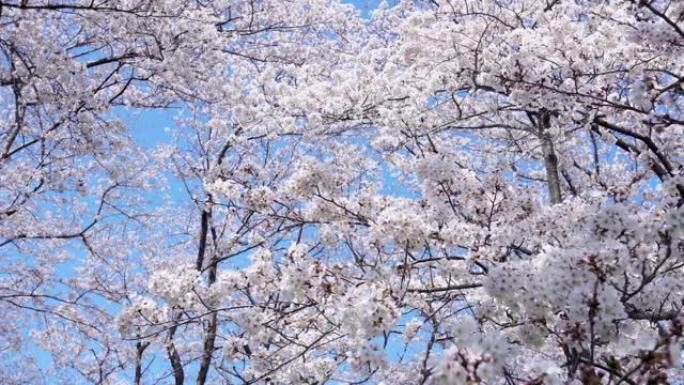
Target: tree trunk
[210, 337]
[550, 158]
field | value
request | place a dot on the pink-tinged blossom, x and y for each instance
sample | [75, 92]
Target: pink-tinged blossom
[447, 192]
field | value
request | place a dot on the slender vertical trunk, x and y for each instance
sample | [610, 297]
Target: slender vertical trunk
[140, 349]
[204, 229]
[210, 337]
[550, 158]
[174, 358]
[551, 165]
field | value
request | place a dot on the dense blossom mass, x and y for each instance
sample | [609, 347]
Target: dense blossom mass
[442, 192]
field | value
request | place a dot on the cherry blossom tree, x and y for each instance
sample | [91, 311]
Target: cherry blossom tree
[85, 218]
[450, 192]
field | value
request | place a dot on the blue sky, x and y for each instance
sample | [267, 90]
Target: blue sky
[366, 6]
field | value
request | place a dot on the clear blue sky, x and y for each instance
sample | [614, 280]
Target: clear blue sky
[366, 6]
